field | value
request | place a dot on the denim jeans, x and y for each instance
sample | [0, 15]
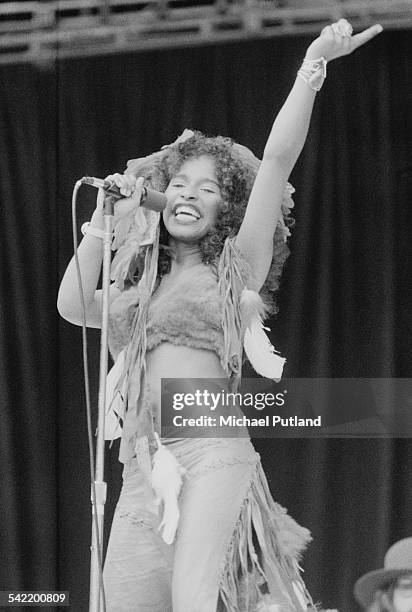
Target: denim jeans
[218, 509]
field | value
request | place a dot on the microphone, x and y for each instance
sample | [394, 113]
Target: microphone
[154, 200]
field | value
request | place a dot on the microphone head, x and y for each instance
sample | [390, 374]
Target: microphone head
[153, 200]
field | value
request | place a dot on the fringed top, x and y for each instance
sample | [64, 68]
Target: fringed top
[194, 312]
[201, 311]
[234, 275]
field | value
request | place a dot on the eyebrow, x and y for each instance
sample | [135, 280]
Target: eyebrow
[202, 180]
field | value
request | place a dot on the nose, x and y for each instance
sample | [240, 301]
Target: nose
[189, 193]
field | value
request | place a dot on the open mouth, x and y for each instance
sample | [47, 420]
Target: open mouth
[183, 212]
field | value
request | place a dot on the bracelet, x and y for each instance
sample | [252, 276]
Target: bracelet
[313, 72]
[93, 231]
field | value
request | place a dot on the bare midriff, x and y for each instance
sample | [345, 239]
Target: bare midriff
[170, 361]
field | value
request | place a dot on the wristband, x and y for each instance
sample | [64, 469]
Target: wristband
[93, 231]
[313, 72]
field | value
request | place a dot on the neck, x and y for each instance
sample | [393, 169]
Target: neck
[185, 255]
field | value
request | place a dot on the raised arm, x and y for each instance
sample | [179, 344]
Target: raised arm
[285, 142]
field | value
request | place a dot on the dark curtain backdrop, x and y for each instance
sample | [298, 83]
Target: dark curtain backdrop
[345, 302]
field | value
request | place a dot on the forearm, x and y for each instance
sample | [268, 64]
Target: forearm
[289, 131]
[90, 254]
[290, 128]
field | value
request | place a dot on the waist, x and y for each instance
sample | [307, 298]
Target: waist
[189, 366]
[170, 361]
[209, 338]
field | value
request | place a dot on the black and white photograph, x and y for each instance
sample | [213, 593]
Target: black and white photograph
[206, 305]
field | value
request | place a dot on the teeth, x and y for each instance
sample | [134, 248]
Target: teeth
[187, 210]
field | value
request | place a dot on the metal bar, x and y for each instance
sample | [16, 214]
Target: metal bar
[125, 32]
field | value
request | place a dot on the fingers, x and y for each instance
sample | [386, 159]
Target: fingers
[131, 190]
[366, 35]
[125, 182]
[337, 40]
[342, 27]
[328, 33]
[139, 183]
[338, 29]
[100, 199]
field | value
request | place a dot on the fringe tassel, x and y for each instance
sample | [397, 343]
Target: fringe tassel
[232, 273]
[114, 400]
[281, 541]
[131, 380]
[242, 320]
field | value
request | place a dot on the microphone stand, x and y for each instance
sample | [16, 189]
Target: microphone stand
[96, 597]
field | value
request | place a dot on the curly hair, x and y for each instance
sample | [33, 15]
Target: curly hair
[236, 175]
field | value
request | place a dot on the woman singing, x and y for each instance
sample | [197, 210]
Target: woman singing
[190, 288]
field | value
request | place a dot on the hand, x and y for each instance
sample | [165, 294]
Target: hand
[337, 40]
[130, 187]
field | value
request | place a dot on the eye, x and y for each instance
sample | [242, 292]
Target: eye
[177, 185]
[207, 190]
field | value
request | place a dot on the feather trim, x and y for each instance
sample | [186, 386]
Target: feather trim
[166, 483]
[261, 353]
[134, 232]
